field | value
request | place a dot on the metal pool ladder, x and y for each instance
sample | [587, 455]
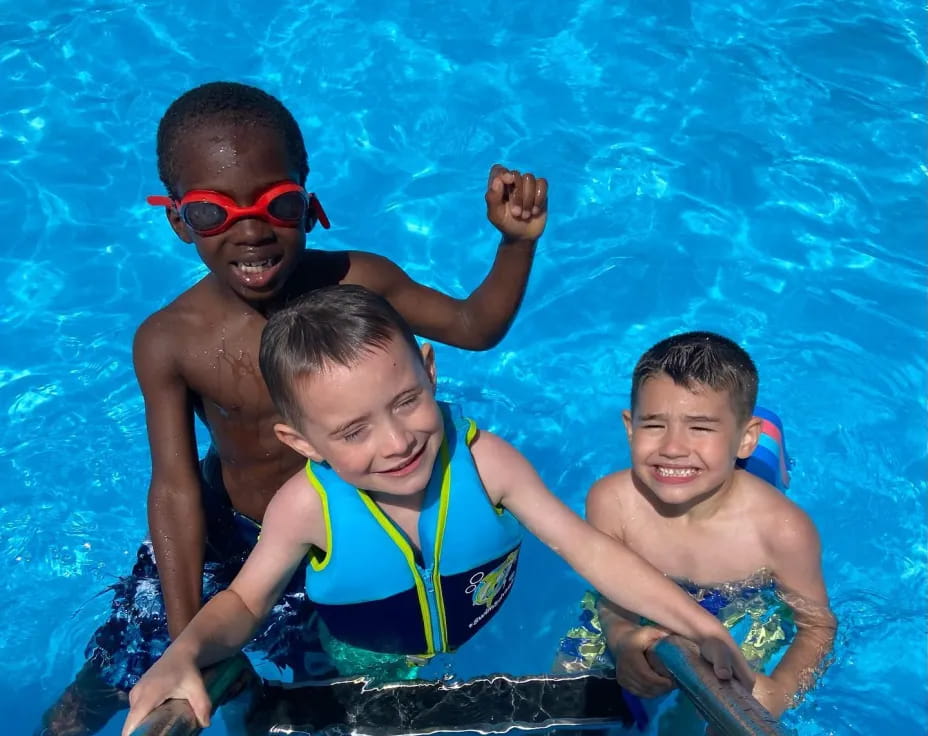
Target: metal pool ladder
[589, 700]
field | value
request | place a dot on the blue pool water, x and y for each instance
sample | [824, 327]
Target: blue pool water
[755, 169]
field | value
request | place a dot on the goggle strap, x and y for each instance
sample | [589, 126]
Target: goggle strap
[317, 210]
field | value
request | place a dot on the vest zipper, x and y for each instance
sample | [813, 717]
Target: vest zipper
[435, 618]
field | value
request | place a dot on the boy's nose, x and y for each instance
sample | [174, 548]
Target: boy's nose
[397, 441]
[672, 443]
[251, 231]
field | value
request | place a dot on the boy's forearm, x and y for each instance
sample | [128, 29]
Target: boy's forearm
[807, 656]
[643, 589]
[177, 529]
[491, 307]
[221, 628]
[615, 624]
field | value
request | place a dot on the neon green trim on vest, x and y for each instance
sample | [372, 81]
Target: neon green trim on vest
[440, 534]
[471, 432]
[319, 563]
[469, 440]
[400, 541]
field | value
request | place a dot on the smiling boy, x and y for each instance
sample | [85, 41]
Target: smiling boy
[733, 541]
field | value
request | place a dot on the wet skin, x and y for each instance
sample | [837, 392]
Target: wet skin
[199, 355]
[211, 333]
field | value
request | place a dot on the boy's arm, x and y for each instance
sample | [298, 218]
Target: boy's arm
[795, 550]
[175, 511]
[613, 569]
[517, 206]
[626, 638]
[292, 522]
[629, 643]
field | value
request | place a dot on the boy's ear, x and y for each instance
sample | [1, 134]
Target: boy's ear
[295, 440]
[627, 420]
[178, 225]
[428, 359]
[750, 437]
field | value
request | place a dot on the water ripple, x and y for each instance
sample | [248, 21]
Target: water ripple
[756, 169]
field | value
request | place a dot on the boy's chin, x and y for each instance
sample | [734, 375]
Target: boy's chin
[255, 295]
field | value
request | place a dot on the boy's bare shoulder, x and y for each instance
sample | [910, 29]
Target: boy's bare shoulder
[375, 272]
[297, 509]
[608, 500]
[184, 321]
[186, 312]
[783, 525]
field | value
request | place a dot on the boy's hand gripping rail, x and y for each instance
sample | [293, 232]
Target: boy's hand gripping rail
[725, 704]
[175, 717]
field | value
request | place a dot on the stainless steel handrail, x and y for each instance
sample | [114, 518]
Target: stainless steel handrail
[725, 704]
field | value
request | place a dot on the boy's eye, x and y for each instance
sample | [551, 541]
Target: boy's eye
[652, 426]
[353, 435]
[702, 429]
[408, 400]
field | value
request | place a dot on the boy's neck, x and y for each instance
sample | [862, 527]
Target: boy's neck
[710, 505]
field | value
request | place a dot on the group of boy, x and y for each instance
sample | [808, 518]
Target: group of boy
[326, 437]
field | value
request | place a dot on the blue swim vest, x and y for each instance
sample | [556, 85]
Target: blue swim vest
[369, 587]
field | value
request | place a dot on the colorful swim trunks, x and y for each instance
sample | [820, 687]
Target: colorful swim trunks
[135, 635]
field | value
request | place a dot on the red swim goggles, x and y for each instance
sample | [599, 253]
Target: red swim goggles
[210, 213]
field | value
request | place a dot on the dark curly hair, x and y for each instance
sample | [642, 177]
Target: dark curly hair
[228, 103]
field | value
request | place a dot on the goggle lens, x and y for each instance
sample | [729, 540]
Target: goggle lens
[288, 207]
[203, 216]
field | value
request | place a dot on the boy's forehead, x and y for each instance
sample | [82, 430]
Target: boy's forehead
[377, 370]
[231, 158]
[662, 388]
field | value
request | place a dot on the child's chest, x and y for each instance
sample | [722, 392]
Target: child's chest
[705, 554]
[222, 370]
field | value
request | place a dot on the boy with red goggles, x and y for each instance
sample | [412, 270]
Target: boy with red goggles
[234, 164]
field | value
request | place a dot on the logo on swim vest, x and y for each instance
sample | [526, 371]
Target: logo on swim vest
[484, 588]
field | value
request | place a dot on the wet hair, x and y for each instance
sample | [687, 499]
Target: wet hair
[334, 325]
[696, 359]
[226, 103]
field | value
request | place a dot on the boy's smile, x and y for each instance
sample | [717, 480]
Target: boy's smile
[253, 257]
[684, 442]
[376, 423]
[407, 466]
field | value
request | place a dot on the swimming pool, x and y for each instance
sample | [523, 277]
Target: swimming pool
[756, 170]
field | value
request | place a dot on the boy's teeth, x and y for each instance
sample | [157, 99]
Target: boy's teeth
[257, 266]
[676, 472]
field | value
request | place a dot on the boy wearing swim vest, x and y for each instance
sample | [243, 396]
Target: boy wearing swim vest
[704, 503]
[407, 512]
[234, 165]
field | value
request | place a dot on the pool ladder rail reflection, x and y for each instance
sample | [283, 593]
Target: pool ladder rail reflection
[352, 706]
